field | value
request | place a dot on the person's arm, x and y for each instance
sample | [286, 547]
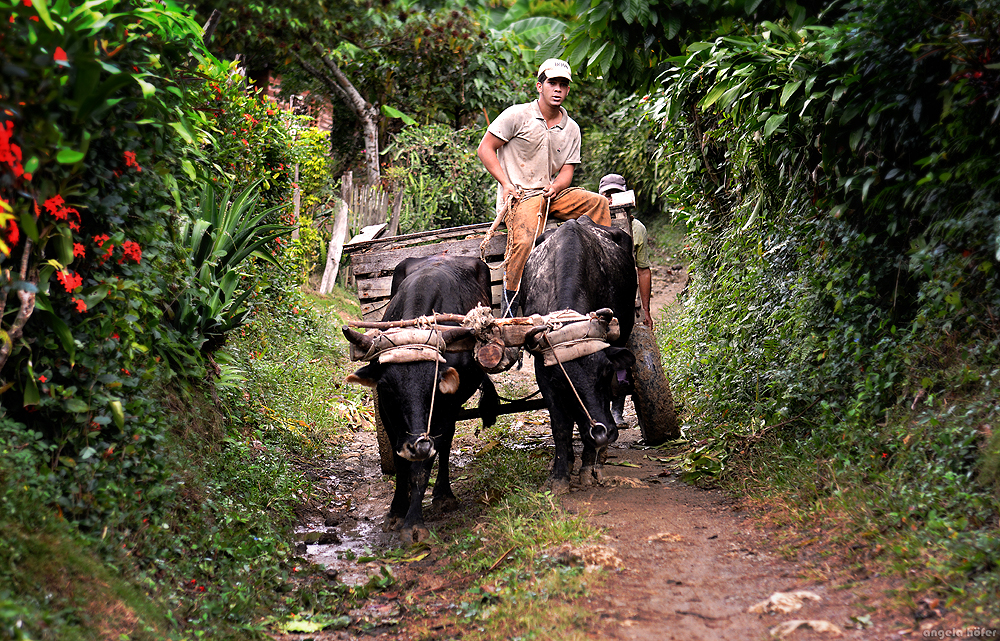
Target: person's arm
[645, 285]
[562, 181]
[487, 153]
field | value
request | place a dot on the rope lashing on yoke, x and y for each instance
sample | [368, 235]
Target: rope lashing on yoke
[401, 345]
[570, 335]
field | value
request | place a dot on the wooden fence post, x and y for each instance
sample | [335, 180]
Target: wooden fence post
[336, 248]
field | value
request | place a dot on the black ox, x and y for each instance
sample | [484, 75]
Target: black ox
[584, 267]
[420, 287]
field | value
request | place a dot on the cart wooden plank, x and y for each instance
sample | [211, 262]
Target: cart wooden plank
[373, 261]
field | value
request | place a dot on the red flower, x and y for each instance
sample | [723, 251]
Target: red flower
[79, 251]
[10, 154]
[69, 280]
[131, 251]
[54, 204]
[27, 3]
[130, 160]
[42, 379]
[115, 336]
[59, 55]
[100, 239]
[80, 305]
[58, 208]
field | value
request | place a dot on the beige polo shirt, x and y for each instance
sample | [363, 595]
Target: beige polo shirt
[533, 154]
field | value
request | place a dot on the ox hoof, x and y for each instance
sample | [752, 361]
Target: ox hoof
[558, 487]
[392, 523]
[591, 473]
[446, 503]
[415, 534]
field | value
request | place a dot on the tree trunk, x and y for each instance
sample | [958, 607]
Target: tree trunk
[335, 80]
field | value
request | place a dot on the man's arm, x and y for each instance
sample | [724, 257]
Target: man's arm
[487, 153]
[562, 181]
[645, 285]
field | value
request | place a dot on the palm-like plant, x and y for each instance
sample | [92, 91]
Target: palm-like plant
[227, 233]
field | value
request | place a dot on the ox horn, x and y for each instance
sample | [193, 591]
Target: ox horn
[529, 336]
[455, 334]
[357, 338]
[605, 314]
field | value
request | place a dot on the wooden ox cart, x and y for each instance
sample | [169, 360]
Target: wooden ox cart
[373, 259]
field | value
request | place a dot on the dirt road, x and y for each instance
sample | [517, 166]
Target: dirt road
[692, 562]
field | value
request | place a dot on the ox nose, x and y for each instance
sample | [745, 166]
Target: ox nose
[599, 433]
[423, 447]
[418, 450]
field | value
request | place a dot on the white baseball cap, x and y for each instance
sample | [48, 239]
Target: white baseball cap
[555, 68]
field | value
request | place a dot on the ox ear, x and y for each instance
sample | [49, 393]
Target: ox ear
[448, 384]
[620, 357]
[367, 376]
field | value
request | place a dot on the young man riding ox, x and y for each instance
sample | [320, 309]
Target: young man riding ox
[531, 150]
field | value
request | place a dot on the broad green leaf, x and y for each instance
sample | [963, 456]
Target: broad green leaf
[787, 92]
[63, 332]
[773, 123]
[29, 226]
[716, 92]
[699, 46]
[148, 90]
[855, 138]
[181, 129]
[77, 406]
[117, 413]
[31, 395]
[43, 12]
[69, 156]
[189, 169]
[64, 244]
[392, 112]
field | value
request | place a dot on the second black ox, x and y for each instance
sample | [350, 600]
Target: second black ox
[420, 287]
[581, 266]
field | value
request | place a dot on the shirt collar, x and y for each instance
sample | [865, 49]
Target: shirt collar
[563, 114]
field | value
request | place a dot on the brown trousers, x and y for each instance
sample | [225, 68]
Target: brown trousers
[528, 216]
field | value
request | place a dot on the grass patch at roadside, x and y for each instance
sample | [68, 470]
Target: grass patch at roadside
[513, 587]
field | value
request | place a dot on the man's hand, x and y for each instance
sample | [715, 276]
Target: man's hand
[647, 320]
[562, 181]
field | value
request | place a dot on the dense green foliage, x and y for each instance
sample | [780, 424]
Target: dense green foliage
[444, 182]
[838, 187]
[121, 275]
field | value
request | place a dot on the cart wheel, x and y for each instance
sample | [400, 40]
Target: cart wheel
[385, 452]
[654, 404]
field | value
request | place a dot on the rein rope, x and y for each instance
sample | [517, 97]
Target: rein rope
[590, 419]
[434, 387]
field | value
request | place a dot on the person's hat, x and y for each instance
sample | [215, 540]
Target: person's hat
[610, 182]
[555, 68]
